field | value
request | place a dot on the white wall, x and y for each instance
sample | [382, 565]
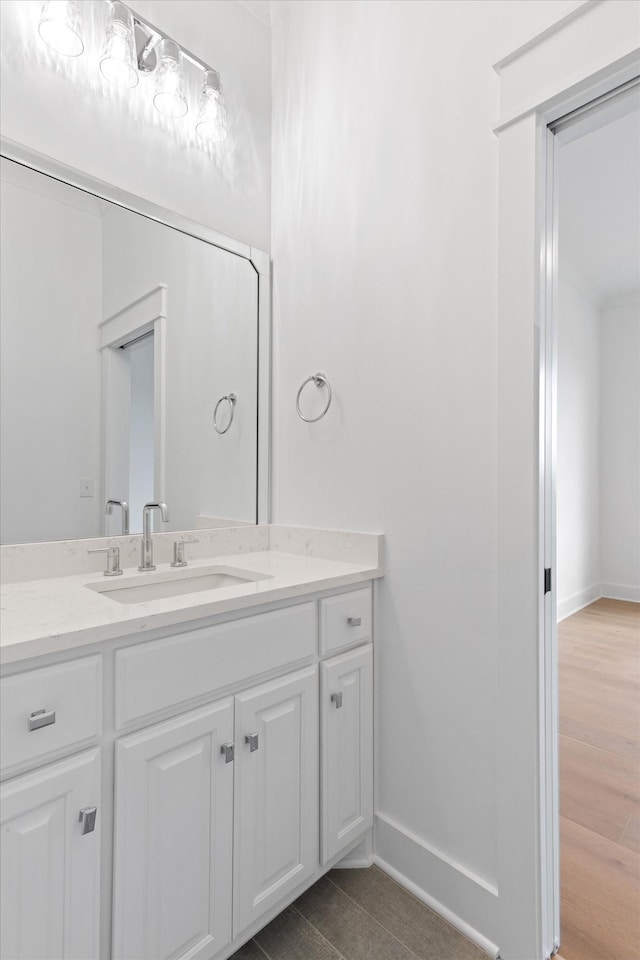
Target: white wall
[64, 108]
[578, 446]
[384, 242]
[50, 383]
[598, 482]
[620, 464]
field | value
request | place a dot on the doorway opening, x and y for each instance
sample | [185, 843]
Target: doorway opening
[140, 357]
[592, 521]
[133, 414]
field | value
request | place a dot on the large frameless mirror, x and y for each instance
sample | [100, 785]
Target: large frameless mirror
[129, 351]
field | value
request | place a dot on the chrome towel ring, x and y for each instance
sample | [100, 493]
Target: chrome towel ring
[320, 381]
[231, 400]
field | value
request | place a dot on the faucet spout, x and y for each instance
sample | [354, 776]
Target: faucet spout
[146, 545]
[124, 506]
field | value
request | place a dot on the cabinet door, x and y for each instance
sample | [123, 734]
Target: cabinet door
[347, 749]
[276, 792]
[50, 887]
[173, 838]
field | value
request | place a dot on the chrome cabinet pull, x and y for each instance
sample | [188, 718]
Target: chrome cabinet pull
[354, 621]
[252, 740]
[337, 699]
[227, 752]
[41, 718]
[88, 819]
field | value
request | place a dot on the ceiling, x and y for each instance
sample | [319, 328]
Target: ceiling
[268, 11]
[599, 207]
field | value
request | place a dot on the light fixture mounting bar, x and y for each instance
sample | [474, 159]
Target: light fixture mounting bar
[161, 35]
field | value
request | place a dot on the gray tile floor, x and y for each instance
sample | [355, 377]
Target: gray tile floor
[358, 915]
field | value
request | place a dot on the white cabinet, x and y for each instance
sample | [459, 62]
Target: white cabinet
[276, 792]
[173, 839]
[345, 620]
[50, 868]
[347, 748]
[221, 814]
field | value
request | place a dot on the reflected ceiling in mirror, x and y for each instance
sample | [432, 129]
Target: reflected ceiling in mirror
[120, 335]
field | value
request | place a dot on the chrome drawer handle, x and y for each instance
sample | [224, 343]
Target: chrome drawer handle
[354, 621]
[252, 740]
[41, 718]
[88, 819]
[227, 752]
[337, 699]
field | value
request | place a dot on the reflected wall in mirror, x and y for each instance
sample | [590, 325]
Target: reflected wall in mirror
[119, 335]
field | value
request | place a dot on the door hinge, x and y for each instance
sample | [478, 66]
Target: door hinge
[547, 579]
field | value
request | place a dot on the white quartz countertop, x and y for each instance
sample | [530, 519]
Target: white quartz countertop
[52, 615]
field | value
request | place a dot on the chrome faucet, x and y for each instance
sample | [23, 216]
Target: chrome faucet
[124, 506]
[146, 554]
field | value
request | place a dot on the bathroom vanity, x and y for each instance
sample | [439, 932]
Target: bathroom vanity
[176, 770]
[186, 728]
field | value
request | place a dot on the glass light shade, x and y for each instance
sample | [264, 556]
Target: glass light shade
[211, 125]
[60, 27]
[118, 63]
[170, 98]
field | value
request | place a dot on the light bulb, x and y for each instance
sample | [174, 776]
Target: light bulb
[170, 98]
[211, 125]
[118, 63]
[60, 27]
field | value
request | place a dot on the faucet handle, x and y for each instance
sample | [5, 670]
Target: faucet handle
[113, 560]
[178, 552]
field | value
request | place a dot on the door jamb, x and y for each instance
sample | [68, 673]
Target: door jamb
[527, 824]
[550, 827]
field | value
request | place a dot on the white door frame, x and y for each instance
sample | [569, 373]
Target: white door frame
[593, 48]
[554, 139]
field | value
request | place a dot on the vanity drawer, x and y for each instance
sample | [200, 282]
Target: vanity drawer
[70, 696]
[345, 620]
[160, 674]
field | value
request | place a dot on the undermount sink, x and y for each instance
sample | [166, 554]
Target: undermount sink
[157, 586]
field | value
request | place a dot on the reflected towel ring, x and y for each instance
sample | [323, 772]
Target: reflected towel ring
[231, 400]
[320, 381]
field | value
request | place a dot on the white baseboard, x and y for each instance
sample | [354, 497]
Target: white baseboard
[578, 601]
[620, 591]
[457, 892]
[610, 591]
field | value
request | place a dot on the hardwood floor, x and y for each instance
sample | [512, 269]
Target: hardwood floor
[599, 680]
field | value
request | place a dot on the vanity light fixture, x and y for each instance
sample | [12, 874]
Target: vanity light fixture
[60, 27]
[170, 99]
[119, 62]
[134, 47]
[211, 125]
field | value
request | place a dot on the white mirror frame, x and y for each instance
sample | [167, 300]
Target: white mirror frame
[259, 259]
